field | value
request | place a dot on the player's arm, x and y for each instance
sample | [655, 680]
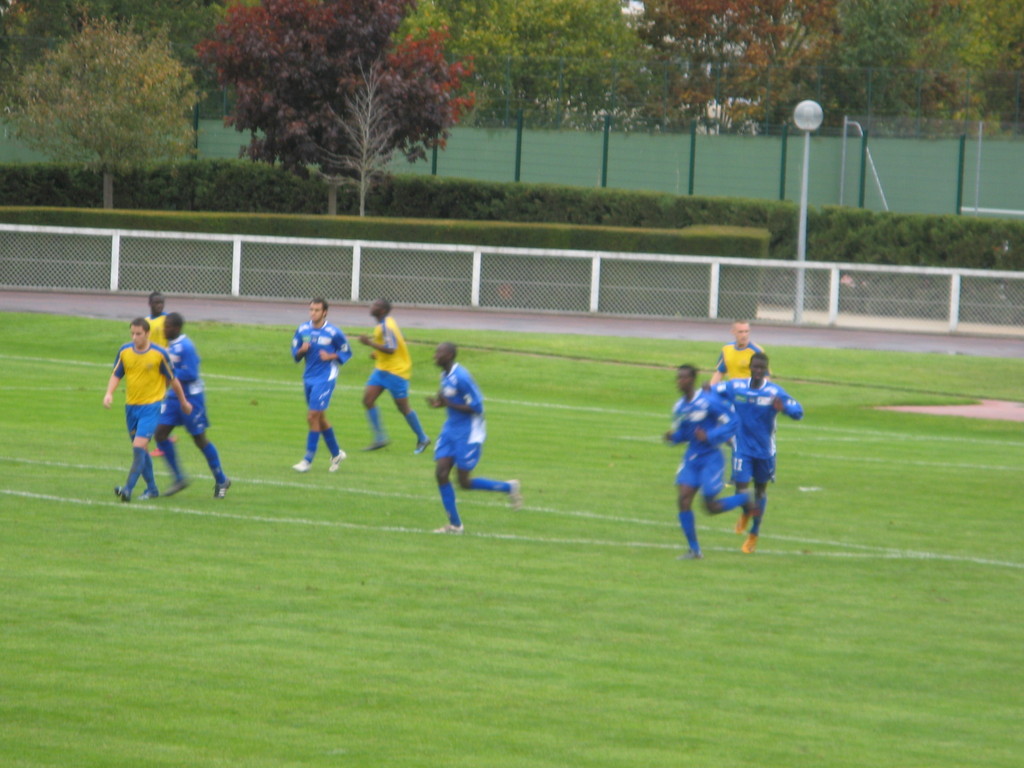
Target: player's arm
[299, 346]
[172, 381]
[108, 398]
[720, 370]
[115, 378]
[783, 403]
[727, 422]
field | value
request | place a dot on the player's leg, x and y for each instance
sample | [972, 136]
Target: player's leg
[741, 474]
[371, 392]
[712, 482]
[688, 522]
[444, 457]
[764, 472]
[144, 431]
[466, 462]
[687, 481]
[197, 423]
[399, 389]
[170, 416]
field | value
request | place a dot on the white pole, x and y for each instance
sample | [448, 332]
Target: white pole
[801, 242]
[977, 172]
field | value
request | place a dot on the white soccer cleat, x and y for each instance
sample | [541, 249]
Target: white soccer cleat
[449, 528]
[336, 461]
[515, 495]
[302, 466]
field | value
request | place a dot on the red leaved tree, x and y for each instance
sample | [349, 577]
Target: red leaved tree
[296, 67]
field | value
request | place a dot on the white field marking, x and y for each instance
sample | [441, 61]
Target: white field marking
[661, 414]
[154, 506]
[899, 464]
[867, 459]
[481, 500]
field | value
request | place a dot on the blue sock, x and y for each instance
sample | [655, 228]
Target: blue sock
[139, 456]
[483, 484]
[689, 529]
[147, 474]
[762, 505]
[414, 424]
[311, 441]
[448, 499]
[171, 455]
[736, 500]
[213, 460]
[373, 416]
[331, 441]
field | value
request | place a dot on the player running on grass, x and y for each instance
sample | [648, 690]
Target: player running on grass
[325, 349]
[757, 402]
[147, 372]
[704, 421]
[185, 358]
[392, 369]
[462, 436]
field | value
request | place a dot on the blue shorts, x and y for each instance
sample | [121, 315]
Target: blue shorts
[745, 468]
[396, 385]
[705, 472]
[318, 394]
[465, 453]
[141, 419]
[196, 422]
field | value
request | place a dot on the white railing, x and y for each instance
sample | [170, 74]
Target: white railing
[654, 285]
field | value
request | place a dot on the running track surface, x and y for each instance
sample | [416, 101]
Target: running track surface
[125, 306]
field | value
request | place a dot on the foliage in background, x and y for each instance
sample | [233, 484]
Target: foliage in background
[838, 234]
[108, 99]
[294, 64]
[511, 45]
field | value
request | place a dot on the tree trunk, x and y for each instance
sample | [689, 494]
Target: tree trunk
[363, 185]
[108, 190]
[332, 198]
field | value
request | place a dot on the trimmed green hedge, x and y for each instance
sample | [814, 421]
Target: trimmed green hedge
[745, 242]
[458, 208]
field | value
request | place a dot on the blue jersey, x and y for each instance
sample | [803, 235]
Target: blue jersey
[186, 366]
[458, 385]
[706, 410]
[326, 337]
[755, 437]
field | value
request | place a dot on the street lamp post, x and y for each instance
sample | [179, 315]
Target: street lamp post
[807, 117]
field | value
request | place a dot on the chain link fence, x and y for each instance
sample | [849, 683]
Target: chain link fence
[514, 279]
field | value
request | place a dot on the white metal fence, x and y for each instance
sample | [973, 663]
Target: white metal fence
[654, 285]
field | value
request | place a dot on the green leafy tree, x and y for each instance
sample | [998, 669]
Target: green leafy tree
[295, 66]
[731, 53]
[107, 98]
[554, 59]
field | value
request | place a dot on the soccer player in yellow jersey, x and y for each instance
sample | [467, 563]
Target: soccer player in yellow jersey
[392, 371]
[734, 360]
[156, 319]
[147, 372]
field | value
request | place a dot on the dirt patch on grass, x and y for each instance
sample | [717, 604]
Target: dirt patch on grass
[997, 410]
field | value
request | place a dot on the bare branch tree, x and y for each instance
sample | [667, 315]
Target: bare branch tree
[368, 123]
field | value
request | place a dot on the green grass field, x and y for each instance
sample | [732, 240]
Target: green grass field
[314, 620]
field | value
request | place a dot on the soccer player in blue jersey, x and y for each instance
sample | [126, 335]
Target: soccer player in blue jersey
[392, 371]
[757, 402]
[147, 372]
[324, 349]
[185, 359]
[462, 436]
[704, 421]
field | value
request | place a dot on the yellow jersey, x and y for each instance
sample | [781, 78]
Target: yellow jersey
[735, 363]
[398, 360]
[156, 330]
[146, 374]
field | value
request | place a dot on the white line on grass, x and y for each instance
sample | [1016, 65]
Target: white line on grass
[278, 384]
[868, 552]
